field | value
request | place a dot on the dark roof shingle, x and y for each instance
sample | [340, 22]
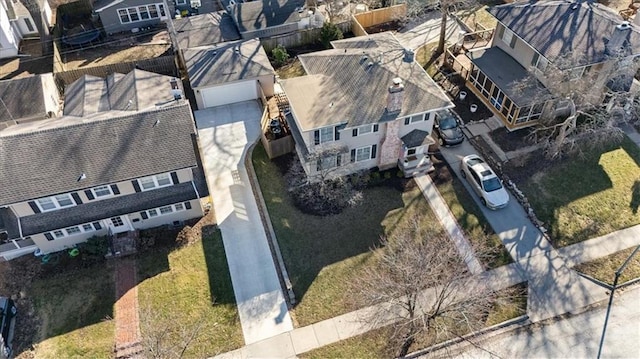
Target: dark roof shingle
[262, 14]
[22, 98]
[557, 27]
[40, 161]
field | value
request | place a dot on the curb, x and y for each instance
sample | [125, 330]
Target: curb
[283, 275]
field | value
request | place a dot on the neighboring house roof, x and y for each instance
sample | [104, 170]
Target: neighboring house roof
[262, 14]
[205, 29]
[557, 28]
[135, 91]
[97, 210]
[47, 157]
[13, 105]
[100, 5]
[510, 77]
[9, 223]
[227, 62]
[355, 77]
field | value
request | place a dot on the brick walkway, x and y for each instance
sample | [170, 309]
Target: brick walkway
[126, 309]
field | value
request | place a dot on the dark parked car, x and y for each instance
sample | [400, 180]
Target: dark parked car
[8, 313]
[448, 129]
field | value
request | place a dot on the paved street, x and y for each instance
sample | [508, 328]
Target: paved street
[225, 134]
[575, 337]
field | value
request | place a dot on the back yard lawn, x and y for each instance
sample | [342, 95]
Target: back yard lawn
[324, 254]
[582, 198]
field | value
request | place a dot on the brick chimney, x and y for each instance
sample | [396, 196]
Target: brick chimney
[620, 35]
[395, 96]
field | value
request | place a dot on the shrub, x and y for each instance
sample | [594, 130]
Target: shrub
[329, 33]
[280, 55]
[94, 249]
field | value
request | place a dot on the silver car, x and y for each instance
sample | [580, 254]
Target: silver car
[485, 182]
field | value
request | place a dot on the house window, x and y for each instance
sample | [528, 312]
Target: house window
[29, 25]
[153, 11]
[87, 227]
[157, 181]
[509, 38]
[411, 151]
[155, 212]
[117, 222]
[181, 2]
[328, 162]
[73, 230]
[363, 153]
[414, 119]
[539, 62]
[55, 202]
[363, 130]
[58, 234]
[124, 16]
[144, 13]
[326, 134]
[101, 191]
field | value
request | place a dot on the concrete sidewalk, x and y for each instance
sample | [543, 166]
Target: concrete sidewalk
[225, 133]
[449, 223]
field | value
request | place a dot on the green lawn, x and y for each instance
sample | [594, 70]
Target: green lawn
[76, 311]
[603, 269]
[183, 287]
[323, 254]
[579, 199]
[374, 344]
[290, 70]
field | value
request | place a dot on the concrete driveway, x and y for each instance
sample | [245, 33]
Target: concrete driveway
[225, 134]
[554, 288]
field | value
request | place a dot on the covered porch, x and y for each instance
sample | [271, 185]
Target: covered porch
[503, 85]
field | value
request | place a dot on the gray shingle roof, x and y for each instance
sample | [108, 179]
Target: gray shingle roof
[22, 98]
[417, 138]
[262, 14]
[97, 210]
[359, 91]
[556, 28]
[137, 90]
[205, 29]
[9, 223]
[213, 65]
[509, 76]
[116, 146]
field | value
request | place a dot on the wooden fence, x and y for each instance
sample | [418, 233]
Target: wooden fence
[299, 38]
[164, 65]
[358, 30]
[381, 16]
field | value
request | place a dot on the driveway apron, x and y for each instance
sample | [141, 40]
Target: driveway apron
[225, 133]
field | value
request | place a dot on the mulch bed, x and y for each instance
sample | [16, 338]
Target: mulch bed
[463, 107]
[510, 141]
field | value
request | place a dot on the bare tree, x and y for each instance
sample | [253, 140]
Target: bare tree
[422, 288]
[576, 113]
[163, 337]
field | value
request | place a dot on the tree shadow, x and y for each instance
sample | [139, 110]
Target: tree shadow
[635, 197]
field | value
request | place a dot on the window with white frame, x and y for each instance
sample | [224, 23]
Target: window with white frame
[153, 182]
[181, 2]
[363, 130]
[539, 62]
[326, 134]
[141, 13]
[160, 211]
[363, 153]
[101, 191]
[414, 119]
[55, 202]
[328, 162]
[70, 231]
[508, 37]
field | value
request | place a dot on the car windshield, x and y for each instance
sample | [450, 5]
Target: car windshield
[447, 123]
[492, 184]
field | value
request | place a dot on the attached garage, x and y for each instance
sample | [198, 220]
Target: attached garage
[228, 73]
[229, 93]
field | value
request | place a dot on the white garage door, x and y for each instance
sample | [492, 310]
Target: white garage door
[231, 93]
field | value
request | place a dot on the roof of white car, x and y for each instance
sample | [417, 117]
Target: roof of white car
[481, 168]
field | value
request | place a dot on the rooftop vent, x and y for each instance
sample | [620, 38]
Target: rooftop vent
[369, 65]
[624, 25]
[363, 59]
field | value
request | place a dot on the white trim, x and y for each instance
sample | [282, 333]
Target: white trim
[65, 231]
[158, 212]
[95, 195]
[360, 150]
[156, 182]
[56, 203]
[136, 9]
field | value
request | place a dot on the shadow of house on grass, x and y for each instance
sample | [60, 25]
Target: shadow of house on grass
[311, 245]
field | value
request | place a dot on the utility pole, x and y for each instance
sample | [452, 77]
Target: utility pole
[613, 289]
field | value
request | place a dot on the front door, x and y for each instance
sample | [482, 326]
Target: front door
[119, 224]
